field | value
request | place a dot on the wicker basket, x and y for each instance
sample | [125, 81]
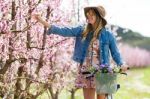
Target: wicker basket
[106, 83]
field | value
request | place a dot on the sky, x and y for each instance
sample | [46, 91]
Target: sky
[132, 14]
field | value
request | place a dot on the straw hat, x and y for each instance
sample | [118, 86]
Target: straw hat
[99, 10]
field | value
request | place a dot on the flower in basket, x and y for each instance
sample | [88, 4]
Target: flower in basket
[104, 68]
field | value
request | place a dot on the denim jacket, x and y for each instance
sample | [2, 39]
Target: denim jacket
[106, 39]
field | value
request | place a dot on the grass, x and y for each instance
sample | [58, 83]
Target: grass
[134, 86]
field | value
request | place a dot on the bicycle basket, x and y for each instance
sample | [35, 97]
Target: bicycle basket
[106, 83]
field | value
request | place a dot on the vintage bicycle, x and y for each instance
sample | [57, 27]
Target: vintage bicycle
[105, 79]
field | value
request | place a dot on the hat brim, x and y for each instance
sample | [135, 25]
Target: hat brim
[86, 9]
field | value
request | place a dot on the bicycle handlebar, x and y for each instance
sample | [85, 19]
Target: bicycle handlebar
[103, 70]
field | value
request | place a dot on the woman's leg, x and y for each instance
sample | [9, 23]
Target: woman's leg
[102, 96]
[89, 93]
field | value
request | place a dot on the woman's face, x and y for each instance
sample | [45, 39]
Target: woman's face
[91, 17]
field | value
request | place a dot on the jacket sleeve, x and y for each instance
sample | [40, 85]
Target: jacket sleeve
[66, 31]
[114, 50]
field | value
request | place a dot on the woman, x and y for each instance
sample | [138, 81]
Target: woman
[94, 38]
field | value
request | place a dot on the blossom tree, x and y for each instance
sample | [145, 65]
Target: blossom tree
[135, 57]
[29, 58]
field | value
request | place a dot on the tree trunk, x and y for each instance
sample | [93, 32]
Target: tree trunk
[18, 83]
[53, 95]
[40, 64]
[73, 95]
[73, 91]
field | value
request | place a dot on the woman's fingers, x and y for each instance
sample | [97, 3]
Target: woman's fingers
[124, 68]
[36, 16]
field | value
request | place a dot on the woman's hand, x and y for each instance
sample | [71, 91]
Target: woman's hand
[39, 19]
[124, 67]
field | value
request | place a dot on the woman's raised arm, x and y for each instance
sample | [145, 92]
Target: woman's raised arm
[63, 31]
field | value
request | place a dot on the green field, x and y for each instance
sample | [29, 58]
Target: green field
[134, 86]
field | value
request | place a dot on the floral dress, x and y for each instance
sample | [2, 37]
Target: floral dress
[81, 81]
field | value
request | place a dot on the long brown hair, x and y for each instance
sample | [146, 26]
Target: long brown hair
[89, 28]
